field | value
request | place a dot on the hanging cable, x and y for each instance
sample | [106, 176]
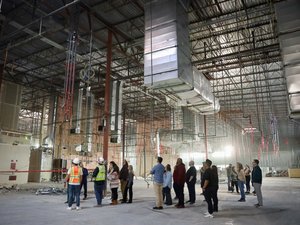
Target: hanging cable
[70, 77]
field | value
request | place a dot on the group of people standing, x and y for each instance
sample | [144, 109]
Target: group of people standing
[114, 176]
[162, 183]
[77, 177]
[241, 176]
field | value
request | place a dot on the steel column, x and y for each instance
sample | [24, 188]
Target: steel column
[1, 74]
[107, 95]
[205, 138]
[123, 136]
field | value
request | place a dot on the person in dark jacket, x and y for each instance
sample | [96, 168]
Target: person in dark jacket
[257, 181]
[123, 176]
[229, 175]
[215, 187]
[83, 183]
[202, 170]
[129, 185]
[208, 187]
[234, 180]
[190, 179]
[248, 178]
[179, 180]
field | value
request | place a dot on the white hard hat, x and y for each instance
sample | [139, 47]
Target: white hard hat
[100, 160]
[76, 161]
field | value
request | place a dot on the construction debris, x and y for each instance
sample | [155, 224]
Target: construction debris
[8, 188]
[50, 191]
[278, 173]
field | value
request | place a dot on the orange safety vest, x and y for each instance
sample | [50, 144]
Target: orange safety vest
[74, 175]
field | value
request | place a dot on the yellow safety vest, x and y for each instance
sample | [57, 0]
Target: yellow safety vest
[74, 175]
[101, 174]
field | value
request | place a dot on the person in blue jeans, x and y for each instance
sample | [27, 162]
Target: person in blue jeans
[99, 176]
[241, 181]
[167, 186]
[74, 177]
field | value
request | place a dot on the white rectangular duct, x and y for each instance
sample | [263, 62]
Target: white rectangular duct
[292, 78]
[49, 139]
[167, 57]
[166, 52]
[79, 109]
[116, 111]
[90, 115]
[288, 22]
[290, 45]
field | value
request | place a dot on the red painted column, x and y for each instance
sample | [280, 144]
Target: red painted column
[107, 96]
[205, 138]
[123, 137]
[1, 74]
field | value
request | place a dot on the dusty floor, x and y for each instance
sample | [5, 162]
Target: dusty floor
[281, 207]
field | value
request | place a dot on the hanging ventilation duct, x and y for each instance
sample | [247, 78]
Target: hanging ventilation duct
[288, 22]
[167, 57]
[79, 110]
[49, 139]
[90, 114]
[116, 111]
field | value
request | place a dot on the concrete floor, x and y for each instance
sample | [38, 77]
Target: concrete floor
[281, 207]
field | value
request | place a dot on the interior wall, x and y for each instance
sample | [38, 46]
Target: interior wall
[34, 165]
[46, 164]
[10, 154]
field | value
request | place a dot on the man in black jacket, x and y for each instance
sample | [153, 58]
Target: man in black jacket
[83, 183]
[208, 187]
[190, 179]
[123, 176]
[256, 182]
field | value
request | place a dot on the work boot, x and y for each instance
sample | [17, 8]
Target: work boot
[114, 202]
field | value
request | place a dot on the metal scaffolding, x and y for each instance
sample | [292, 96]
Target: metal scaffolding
[233, 43]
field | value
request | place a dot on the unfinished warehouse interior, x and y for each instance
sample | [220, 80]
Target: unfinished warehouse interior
[137, 79]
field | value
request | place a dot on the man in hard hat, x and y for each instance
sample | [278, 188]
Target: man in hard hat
[99, 176]
[74, 177]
